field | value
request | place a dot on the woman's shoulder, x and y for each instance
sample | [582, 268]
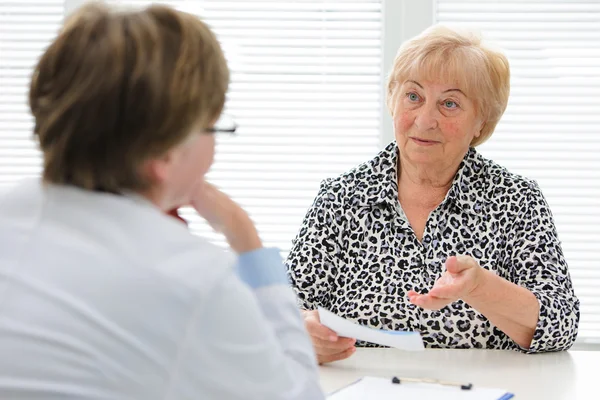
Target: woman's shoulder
[501, 182]
[363, 180]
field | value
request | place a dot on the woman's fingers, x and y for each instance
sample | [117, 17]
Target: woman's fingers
[442, 289]
[314, 327]
[451, 286]
[457, 264]
[227, 217]
[328, 347]
[327, 344]
[429, 302]
[336, 357]
[446, 291]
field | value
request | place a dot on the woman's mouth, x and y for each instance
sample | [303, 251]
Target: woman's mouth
[424, 142]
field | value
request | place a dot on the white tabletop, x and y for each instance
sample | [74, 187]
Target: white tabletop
[569, 375]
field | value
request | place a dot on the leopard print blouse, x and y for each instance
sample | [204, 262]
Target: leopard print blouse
[357, 255]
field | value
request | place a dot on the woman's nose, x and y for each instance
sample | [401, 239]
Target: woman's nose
[427, 117]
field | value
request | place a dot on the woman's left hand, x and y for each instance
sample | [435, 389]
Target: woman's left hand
[461, 278]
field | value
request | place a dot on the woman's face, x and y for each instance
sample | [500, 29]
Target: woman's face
[178, 173]
[434, 123]
[191, 162]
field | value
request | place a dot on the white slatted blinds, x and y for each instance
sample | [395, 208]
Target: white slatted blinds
[26, 28]
[306, 92]
[550, 131]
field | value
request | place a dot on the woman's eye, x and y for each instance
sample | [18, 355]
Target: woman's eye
[450, 104]
[413, 96]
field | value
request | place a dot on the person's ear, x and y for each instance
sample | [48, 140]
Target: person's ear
[392, 97]
[158, 169]
[480, 128]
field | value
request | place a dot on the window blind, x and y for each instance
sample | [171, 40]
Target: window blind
[26, 28]
[550, 129]
[306, 93]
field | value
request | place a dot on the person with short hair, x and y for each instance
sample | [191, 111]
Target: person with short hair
[103, 295]
[429, 235]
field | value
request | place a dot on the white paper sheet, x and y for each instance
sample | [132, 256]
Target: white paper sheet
[402, 340]
[383, 389]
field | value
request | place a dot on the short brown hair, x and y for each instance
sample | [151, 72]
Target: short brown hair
[459, 57]
[117, 88]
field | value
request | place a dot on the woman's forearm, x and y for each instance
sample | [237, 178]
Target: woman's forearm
[511, 308]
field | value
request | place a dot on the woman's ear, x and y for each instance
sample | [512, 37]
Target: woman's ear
[157, 170]
[391, 97]
[480, 129]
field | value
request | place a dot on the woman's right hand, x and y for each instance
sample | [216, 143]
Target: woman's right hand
[226, 216]
[328, 345]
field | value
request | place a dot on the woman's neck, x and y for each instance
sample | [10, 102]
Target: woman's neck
[424, 185]
[159, 198]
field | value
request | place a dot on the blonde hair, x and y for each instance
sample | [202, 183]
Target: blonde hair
[448, 55]
[115, 89]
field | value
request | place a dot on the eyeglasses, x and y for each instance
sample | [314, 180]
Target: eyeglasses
[225, 124]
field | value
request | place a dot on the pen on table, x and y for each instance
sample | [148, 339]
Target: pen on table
[462, 386]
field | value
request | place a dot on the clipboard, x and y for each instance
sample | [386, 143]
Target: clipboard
[383, 389]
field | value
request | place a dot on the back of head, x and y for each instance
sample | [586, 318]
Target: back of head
[115, 89]
[461, 57]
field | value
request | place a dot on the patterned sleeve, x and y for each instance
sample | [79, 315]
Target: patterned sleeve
[539, 265]
[313, 261]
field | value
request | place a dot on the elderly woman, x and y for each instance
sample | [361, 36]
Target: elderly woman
[430, 236]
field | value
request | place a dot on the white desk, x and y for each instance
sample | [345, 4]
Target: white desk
[572, 375]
